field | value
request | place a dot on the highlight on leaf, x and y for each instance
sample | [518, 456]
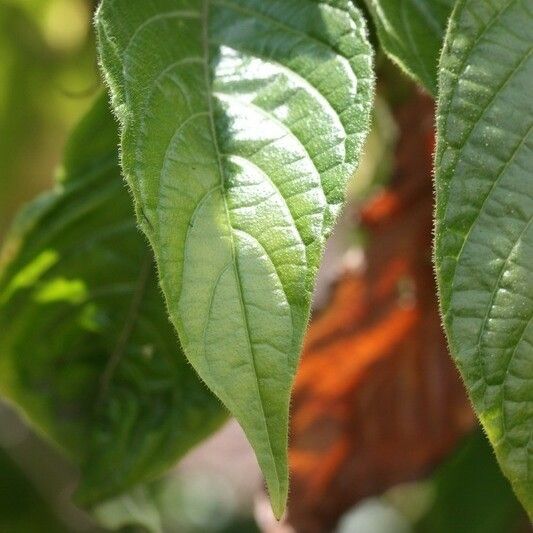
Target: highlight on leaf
[242, 121]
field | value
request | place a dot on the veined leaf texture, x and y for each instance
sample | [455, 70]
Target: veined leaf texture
[242, 121]
[484, 235]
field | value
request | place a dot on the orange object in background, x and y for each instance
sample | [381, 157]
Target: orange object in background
[377, 399]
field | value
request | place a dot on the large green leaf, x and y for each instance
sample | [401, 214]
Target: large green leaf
[484, 235]
[411, 33]
[86, 347]
[242, 122]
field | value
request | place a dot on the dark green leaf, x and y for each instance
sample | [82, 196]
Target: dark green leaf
[242, 122]
[471, 494]
[22, 508]
[411, 33]
[484, 235]
[86, 347]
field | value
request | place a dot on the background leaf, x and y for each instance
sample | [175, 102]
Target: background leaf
[242, 122]
[411, 32]
[484, 235]
[87, 350]
[471, 495]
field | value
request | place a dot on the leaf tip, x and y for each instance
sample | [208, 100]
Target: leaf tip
[279, 504]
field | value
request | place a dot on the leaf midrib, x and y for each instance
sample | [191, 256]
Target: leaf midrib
[205, 35]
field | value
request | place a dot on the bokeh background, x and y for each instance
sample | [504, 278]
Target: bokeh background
[383, 439]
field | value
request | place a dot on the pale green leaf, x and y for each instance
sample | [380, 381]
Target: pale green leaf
[242, 121]
[86, 348]
[411, 33]
[484, 235]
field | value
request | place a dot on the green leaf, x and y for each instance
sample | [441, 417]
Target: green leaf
[242, 121]
[86, 347]
[471, 495]
[484, 235]
[411, 32]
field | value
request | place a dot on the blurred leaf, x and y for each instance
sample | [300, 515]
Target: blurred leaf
[242, 122]
[377, 400]
[411, 32]
[136, 508]
[484, 215]
[472, 495]
[87, 350]
[189, 504]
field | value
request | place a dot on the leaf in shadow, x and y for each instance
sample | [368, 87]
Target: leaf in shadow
[87, 351]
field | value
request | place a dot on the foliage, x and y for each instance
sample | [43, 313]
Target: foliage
[21, 506]
[484, 235]
[241, 123]
[238, 140]
[48, 78]
[411, 32]
[87, 348]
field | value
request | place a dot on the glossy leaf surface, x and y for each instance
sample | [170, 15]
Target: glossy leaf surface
[242, 121]
[484, 235]
[411, 33]
[86, 347]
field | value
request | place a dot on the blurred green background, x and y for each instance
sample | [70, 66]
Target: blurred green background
[48, 78]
